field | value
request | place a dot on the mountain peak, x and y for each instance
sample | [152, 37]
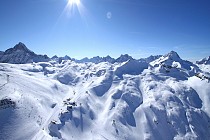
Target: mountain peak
[66, 57]
[54, 57]
[21, 46]
[107, 56]
[204, 61]
[172, 55]
[18, 47]
[150, 58]
[20, 54]
[123, 58]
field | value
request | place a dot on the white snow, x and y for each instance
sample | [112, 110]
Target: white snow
[130, 100]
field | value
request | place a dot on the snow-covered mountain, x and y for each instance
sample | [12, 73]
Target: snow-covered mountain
[109, 59]
[204, 65]
[123, 58]
[204, 61]
[150, 58]
[125, 100]
[20, 54]
[60, 59]
[97, 59]
[172, 64]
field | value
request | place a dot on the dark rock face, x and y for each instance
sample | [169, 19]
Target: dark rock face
[97, 59]
[124, 58]
[204, 61]
[20, 54]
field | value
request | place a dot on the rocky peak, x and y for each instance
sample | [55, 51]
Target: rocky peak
[124, 58]
[204, 61]
[18, 47]
[173, 55]
[54, 57]
[20, 54]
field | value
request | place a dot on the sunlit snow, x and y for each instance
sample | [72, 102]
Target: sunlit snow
[130, 100]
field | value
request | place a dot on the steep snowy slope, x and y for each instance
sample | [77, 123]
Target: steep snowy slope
[132, 100]
[35, 97]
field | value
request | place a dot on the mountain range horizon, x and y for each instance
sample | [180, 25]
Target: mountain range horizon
[7, 55]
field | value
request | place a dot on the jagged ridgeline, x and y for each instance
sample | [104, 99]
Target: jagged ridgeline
[160, 97]
[20, 54]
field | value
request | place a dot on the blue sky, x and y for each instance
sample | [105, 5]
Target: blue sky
[107, 27]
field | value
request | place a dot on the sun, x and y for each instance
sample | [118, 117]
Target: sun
[72, 2]
[74, 7]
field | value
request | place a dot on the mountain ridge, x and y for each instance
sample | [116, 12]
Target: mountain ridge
[20, 54]
[204, 61]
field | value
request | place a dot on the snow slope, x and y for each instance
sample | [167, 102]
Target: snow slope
[131, 100]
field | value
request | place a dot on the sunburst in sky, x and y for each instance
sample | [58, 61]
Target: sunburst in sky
[71, 5]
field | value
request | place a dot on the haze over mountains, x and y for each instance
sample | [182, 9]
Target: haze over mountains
[159, 97]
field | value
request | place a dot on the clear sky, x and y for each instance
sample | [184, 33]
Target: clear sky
[107, 27]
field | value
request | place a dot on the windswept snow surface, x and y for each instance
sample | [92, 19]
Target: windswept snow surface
[132, 100]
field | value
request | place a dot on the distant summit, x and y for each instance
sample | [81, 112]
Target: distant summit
[172, 55]
[150, 58]
[60, 59]
[171, 59]
[124, 58]
[172, 64]
[54, 57]
[204, 61]
[20, 54]
[20, 47]
[97, 59]
[108, 59]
